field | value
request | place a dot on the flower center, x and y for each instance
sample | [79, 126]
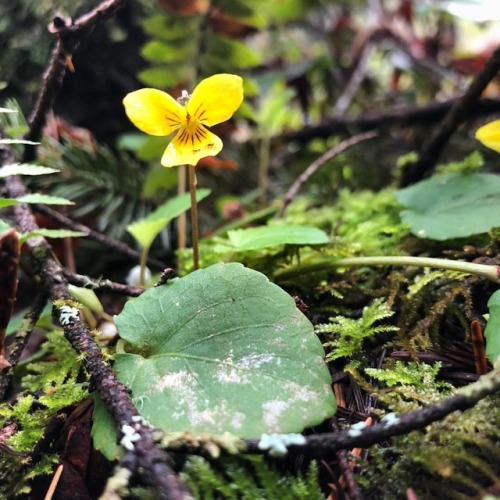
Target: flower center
[184, 98]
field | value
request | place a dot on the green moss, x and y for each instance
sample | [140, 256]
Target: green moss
[59, 378]
[361, 223]
[452, 459]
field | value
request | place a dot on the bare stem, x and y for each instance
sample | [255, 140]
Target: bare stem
[489, 272]
[194, 216]
[264, 155]
[143, 263]
[181, 220]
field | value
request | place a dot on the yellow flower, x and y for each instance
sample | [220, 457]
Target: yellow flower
[489, 135]
[213, 101]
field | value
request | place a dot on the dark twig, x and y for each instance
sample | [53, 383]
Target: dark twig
[313, 167]
[328, 443]
[478, 347]
[108, 242]
[17, 346]
[69, 35]
[149, 458]
[9, 265]
[358, 72]
[460, 111]
[102, 285]
[351, 486]
[353, 489]
[398, 117]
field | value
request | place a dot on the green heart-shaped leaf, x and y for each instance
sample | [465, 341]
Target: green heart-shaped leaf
[452, 206]
[257, 238]
[223, 349]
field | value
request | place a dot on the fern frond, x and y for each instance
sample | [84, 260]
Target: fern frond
[103, 183]
[248, 478]
[350, 333]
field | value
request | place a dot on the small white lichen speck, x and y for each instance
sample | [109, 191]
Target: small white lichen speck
[390, 419]
[277, 443]
[68, 314]
[130, 436]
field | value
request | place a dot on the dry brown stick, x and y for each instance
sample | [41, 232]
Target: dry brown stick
[69, 35]
[478, 347]
[102, 285]
[313, 167]
[352, 487]
[460, 111]
[347, 477]
[16, 347]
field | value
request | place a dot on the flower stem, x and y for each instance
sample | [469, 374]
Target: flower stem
[264, 156]
[143, 263]
[489, 272]
[194, 216]
[181, 220]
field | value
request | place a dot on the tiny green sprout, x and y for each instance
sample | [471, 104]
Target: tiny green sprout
[81, 357]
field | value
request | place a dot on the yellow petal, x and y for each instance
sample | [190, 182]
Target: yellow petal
[154, 112]
[191, 143]
[489, 135]
[215, 99]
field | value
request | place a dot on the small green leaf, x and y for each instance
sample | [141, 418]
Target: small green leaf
[147, 229]
[4, 226]
[257, 238]
[223, 49]
[492, 331]
[7, 110]
[224, 350]
[8, 202]
[18, 141]
[104, 430]
[44, 199]
[25, 169]
[52, 233]
[157, 51]
[41, 199]
[452, 206]
[87, 297]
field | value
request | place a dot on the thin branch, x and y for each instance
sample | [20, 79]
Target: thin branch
[358, 72]
[149, 458]
[69, 35]
[102, 285]
[460, 111]
[328, 443]
[145, 457]
[9, 266]
[313, 167]
[347, 478]
[108, 242]
[21, 338]
[398, 117]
